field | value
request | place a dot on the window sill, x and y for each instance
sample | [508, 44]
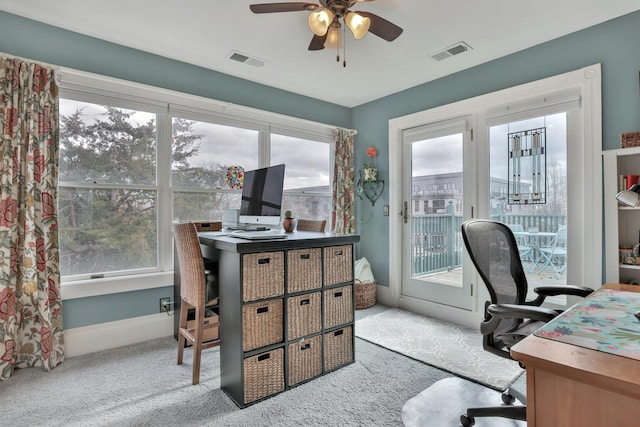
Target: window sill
[115, 285]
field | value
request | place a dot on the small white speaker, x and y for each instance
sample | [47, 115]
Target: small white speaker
[230, 218]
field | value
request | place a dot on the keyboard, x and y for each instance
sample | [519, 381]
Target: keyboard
[259, 235]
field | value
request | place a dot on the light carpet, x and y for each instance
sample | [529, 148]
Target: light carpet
[141, 385]
[450, 347]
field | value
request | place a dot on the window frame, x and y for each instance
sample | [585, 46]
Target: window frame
[166, 104]
[130, 105]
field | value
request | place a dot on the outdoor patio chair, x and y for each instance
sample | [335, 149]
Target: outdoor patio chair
[555, 255]
[524, 247]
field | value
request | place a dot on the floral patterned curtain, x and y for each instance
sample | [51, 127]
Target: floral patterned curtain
[343, 217]
[30, 300]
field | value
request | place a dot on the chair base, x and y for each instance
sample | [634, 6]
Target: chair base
[511, 412]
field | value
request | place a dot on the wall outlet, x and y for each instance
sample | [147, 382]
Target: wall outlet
[385, 210]
[165, 305]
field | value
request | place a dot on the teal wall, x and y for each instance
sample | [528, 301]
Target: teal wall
[30, 39]
[33, 40]
[614, 44]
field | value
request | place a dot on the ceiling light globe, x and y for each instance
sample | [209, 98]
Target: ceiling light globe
[320, 21]
[358, 24]
[334, 39]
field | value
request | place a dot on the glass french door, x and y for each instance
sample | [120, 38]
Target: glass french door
[534, 162]
[528, 191]
[438, 173]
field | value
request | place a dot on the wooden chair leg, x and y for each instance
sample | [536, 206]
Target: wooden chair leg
[182, 341]
[197, 346]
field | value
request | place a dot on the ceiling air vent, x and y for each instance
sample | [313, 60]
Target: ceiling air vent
[451, 51]
[245, 59]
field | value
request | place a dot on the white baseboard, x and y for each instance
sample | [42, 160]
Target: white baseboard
[103, 336]
[471, 319]
[385, 297]
[442, 312]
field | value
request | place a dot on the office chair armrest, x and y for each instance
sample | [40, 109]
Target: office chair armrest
[552, 290]
[511, 311]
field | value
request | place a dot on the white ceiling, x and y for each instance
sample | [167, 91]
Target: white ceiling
[205, 32]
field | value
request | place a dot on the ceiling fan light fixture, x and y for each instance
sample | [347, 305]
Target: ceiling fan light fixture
[320, 21]
[334, 38]
[358, 24]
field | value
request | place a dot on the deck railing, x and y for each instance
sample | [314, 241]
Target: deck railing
[437, 239]
[437, 243]
[544, 223]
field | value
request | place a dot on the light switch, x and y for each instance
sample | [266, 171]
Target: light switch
[385, 210]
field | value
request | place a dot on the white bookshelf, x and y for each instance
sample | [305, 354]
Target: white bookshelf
[621, 224]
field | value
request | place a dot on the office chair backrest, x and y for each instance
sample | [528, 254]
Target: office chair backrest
[192, 275]
[311, 225]
[494, 252]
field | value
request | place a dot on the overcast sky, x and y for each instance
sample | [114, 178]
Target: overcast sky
[444, 154]
[307, 162]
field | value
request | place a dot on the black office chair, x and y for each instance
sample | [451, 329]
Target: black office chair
[508, 317]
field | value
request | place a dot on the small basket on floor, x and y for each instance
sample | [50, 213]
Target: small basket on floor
[365, 294]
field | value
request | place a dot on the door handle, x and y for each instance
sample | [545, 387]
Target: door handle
[405, 213]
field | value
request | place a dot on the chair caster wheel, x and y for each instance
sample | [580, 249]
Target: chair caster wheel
[508, 399]
[466, 421]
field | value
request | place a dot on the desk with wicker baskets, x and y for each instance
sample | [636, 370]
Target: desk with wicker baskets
[286, 310]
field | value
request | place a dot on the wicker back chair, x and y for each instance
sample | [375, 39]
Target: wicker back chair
[193, 295]
[311, 225]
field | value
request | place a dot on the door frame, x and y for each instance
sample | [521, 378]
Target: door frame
[442, 294]
[588, 81]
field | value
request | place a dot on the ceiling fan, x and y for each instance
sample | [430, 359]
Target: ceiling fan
[324, 21]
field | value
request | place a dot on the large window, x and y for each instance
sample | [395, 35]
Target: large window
[108, 192]
[132, 161]
[307, 182]
[201, 154]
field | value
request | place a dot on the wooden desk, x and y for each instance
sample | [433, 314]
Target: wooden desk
[571, 386]
[286, 310]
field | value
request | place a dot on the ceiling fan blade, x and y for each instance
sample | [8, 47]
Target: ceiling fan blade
[381, 27]
[282, 7]
[317, 42]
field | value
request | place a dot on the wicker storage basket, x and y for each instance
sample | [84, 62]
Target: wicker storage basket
[365, 294]
[304, 269]
[262, 275]
[304, 315]
[305, 360]
[263, 375]
[338, 265]
[630, 139]
[262, 324]
[338, 348]
[338, 306]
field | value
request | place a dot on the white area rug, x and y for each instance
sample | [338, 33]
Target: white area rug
[450, 347]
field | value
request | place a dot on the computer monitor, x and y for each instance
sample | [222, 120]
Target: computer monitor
[261, 202]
